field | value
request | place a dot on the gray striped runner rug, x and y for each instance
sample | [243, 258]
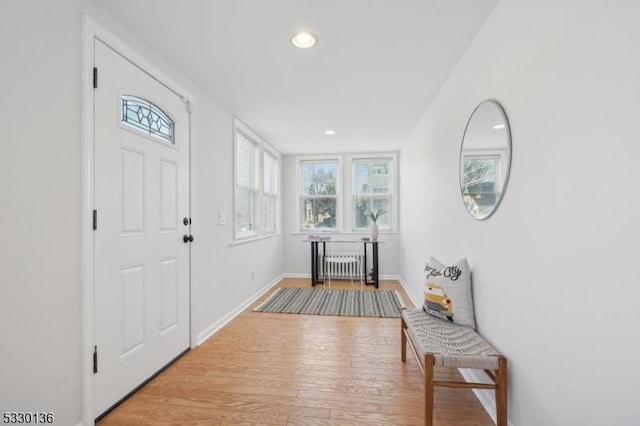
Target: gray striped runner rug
[311, 301]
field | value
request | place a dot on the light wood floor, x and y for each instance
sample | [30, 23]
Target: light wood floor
[282, 369]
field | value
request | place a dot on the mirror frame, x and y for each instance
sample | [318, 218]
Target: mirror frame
[508, 156]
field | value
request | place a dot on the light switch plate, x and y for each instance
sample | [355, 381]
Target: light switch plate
[222, 218]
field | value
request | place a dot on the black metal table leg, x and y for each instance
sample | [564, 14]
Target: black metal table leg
[314, 263]
[376, 280]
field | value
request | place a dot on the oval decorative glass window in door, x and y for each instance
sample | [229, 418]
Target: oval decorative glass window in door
[145, 117]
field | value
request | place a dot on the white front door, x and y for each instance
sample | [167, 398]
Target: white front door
[141, 197]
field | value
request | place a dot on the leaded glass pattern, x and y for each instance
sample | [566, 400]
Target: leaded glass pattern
[147, 118]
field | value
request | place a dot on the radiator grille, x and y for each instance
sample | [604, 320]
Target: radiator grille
[338, 265]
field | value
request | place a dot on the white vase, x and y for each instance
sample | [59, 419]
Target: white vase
[374, 231]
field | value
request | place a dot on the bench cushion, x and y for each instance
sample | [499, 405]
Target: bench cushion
[452, 345]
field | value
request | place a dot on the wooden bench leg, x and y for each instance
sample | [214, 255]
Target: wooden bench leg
[501, 392]
[403, 340]
[429, 360]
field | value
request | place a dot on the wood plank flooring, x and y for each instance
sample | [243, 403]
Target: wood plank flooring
[298, 370]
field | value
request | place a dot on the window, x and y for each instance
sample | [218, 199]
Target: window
[256, 185]
[481, 182]
[369, 184]
[319, 194]
[145, 117]
[270, 194]
[246, 185]
[372, 190]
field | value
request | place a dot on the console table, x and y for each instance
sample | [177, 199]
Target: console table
[316, 254]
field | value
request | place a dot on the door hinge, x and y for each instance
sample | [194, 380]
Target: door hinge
[95, 359]
[95, 220]
[95, 77]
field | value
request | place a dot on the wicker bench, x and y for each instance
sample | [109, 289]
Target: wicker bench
[439, 343]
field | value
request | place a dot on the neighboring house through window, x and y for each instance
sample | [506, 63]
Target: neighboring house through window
[372, 189]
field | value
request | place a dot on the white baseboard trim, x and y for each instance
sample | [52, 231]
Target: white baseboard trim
[216, 326]
[415, 301]
[486, 397]
[390, 277]
[296, 275]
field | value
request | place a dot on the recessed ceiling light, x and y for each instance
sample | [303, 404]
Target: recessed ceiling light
[329, 132]
[303, 40]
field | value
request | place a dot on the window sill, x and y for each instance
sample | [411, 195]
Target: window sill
[252, 239]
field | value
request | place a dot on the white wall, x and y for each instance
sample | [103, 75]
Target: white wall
[40, 170]
[553, 269]
[40, 208]
[222, 274]
[297, 254]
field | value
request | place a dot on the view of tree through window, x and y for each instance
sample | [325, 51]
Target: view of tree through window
[319, 197]
[479, 182]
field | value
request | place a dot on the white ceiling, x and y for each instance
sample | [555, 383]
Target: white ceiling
[375, 69]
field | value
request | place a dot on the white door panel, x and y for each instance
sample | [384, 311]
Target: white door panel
[141, 262]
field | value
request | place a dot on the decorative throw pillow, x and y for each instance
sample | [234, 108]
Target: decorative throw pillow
[448, 292]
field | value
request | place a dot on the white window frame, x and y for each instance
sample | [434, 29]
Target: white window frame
[349, 203]
[339, 185]
[345, 204]
[275, 195]
[257, 214]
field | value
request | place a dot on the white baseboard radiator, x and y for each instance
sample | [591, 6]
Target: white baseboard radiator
[337, 265]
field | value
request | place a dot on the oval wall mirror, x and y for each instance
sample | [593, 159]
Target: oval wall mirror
[485, 159]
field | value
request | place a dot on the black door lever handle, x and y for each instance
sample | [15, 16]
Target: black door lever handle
[187, 238]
